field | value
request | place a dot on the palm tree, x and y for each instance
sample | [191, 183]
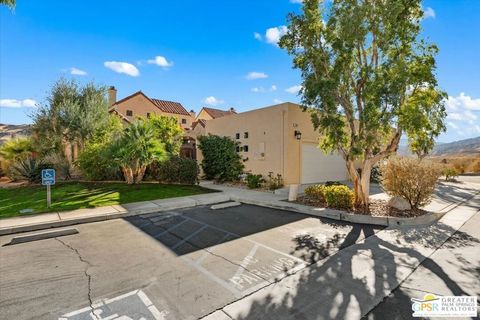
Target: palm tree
[136, 149]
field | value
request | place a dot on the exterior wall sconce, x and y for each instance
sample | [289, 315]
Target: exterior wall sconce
[298, 135]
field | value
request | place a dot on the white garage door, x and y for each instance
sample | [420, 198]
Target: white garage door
[320, 167]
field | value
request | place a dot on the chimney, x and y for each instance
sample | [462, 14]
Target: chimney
[192, 113]
[112, 95]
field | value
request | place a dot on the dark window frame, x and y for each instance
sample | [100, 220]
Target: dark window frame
[129, 113]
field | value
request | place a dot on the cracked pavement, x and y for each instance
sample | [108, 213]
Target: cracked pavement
[187, 262]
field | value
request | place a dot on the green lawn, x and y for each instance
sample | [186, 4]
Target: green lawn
[75, 195]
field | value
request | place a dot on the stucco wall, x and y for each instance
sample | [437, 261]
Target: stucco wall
[140, 106]
[265, 133]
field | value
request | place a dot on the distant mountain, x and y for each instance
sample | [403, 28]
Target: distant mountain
[10, 131]
[467, 147]
[461, 147]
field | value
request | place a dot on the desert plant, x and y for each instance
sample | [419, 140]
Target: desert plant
[254, 181]
[411, 179]
[29, 168]
[274, 182]
[176, 169]
[339, 196]
[136, 149]
[220, 159]
[316, 191]
[450, 173]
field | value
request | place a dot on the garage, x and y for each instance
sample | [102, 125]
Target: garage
[320, 167]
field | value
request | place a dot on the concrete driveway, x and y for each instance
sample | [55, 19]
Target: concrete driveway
[178, 265]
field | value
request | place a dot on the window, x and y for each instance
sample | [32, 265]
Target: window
[184, 121]
[245, 135]
[237, 135]
[129, 113]
[245, 148]
[148, 114]
[238, 148]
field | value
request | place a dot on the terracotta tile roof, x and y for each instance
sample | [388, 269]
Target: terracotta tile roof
[201, 122]
[113, 110]
[217, 113]
[163, 105]
[170, 106]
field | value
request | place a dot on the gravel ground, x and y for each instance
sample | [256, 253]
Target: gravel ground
[377, 208]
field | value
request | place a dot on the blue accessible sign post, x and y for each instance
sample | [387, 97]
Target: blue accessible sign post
[48, 179]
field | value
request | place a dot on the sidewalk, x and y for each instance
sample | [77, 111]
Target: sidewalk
[66, 218]
[448, 196]
[352, 282]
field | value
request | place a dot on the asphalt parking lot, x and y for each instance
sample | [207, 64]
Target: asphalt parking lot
[182, 264]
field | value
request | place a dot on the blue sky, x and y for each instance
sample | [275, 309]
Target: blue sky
[221, 53]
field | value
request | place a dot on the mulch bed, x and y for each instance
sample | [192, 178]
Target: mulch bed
[377, 208]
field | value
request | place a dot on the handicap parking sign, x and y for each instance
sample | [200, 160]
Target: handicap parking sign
[134, 305]
[48, 177]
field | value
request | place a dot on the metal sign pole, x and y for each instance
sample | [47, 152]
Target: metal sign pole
[49, 196]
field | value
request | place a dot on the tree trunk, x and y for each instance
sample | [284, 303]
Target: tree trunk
[361, 183]
[128, 174]
[139, 173]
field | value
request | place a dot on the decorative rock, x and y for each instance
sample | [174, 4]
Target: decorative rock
[399, 203]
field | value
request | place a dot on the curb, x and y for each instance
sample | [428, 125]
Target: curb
[357, 218]
[157, 206]
[193, 201]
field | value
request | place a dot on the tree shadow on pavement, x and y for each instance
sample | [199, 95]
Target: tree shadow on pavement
[353, 281]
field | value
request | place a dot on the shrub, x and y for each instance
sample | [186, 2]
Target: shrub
[316, 191]
[339, 196]
[412, 179]
[274, 182]
[96, 164]
[450, 173]
[254, 181]
[175, 170]
[29, 168]
[220, 159]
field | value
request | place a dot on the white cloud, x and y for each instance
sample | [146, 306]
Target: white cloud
[452, 125]
[77, 72]
[256, 75]
[277, 101]
[257, 36]
[160, 61]
[212, 101]
[462, 102]
[466, 115]
[296, 1]
[263, 90]
[273, 35]
[14, 103]
[428, 12]
[294, 89]
[122, 67]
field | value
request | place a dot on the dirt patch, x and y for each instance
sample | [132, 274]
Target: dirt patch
[377, 208]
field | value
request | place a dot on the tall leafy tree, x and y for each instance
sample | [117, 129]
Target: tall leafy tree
[168, 131]
[72, 114]
[368, 79]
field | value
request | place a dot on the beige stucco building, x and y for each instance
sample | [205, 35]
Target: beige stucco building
[139, 104]
[279, 139]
